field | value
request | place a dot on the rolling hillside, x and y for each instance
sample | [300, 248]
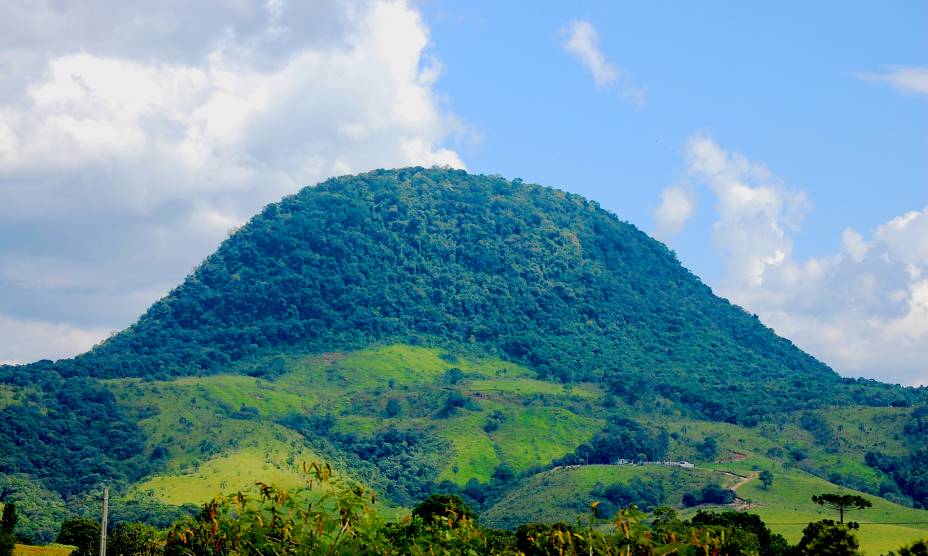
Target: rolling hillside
[431, 330]
[537, 422]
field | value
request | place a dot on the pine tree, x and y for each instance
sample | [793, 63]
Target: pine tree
[7, 529]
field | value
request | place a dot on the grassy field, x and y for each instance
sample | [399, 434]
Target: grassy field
[564, 494]
[47, 550]
[534, 435]
[787, 507]
[197, 418]
[221, 434]
[229, 473]
[474, 454]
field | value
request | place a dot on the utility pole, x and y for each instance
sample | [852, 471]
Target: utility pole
[103, 525]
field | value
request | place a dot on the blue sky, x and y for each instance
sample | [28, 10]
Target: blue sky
[776, 81]
[781, 149]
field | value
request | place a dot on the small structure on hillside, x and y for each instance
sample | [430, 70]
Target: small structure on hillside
[684, 464]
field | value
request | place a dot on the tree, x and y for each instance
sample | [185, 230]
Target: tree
[710, 494]
[454, 375]
[842, 502]
[448, 507]
[768, 542]
[133, 539]
[82, 533]
[503, 473]
[709, 448]
[917, 548]
[7, 529]
[766, 478]
[393, 408]
[827, 538]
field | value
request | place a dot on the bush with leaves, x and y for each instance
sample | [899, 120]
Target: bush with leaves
[768, 542]
[827, 538]
[917, 548]
[81, 533]
[134, 539]
[444, 507]
[646, 494]
[332, 517]
[620, 439]
[324, 517]
[710, 494]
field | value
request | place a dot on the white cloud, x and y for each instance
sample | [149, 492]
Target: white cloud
[863, 310]
[582, 41]
[911, 80]
[678, 203]
[20, 339]
[126, 156]
[755, 209]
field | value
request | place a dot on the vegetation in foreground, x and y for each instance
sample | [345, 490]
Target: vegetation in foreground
[330, 516]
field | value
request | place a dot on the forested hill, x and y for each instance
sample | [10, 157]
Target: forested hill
[436, 256]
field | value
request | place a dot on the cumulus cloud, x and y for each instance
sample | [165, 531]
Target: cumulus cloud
[23, 339]
[863, 310]
[678, 203]
[582, 41]
[755, 210]
[911, 79]
[133, 137]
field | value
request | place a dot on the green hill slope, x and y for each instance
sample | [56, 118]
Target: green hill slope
[238, 428]
[533, 274]
[432, 330]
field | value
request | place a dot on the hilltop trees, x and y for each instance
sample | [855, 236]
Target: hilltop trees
[541, 276]
[842, 502]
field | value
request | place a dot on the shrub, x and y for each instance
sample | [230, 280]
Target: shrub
[81, 533]
[710, 494]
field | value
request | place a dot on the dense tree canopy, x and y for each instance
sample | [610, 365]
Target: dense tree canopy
[69, 433]
[82, 533]
[909, 472]
[541, 276]
[620, 439]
